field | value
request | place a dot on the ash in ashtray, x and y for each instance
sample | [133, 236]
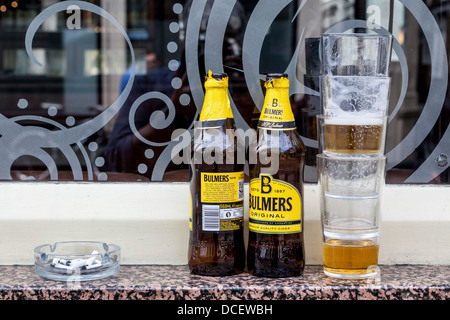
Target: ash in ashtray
[77, 264]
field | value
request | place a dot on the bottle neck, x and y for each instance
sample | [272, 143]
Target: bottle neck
[216, 105]
[277, 111]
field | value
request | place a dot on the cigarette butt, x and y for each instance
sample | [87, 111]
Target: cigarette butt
[61, 266]
[56, 261]
[77, 263]
[90, 261]
[93, 266]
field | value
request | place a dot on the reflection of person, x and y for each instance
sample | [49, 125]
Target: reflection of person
[124, 151]
[151, 62]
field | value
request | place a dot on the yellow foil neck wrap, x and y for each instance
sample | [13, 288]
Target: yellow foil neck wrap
[277, 83]
[277, 110]
[217, 104]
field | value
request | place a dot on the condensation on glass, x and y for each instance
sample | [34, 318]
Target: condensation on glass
[110, 90]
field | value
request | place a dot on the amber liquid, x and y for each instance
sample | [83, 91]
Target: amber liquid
[214, 253]
[279, 255]
[355, 139]
[350, 257]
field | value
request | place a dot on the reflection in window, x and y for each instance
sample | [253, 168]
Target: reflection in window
[17, 62]
[74, 118]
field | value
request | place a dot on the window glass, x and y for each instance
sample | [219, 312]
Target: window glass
[99, 90]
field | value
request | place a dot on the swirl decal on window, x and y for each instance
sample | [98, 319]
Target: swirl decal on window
[203, 41]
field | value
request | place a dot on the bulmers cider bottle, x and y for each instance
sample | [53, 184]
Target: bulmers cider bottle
[216, 244]
[275, 246]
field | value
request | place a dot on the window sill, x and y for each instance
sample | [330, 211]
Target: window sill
[151, 282]
[149, 221]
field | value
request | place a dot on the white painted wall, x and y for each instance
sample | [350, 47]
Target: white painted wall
[150, 221]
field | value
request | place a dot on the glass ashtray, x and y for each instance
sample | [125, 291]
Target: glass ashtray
[77, 260]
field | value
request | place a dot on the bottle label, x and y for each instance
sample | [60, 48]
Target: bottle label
[222, 198]
[275, 206]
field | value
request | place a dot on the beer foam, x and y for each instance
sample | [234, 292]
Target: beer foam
[355, 54]
[365, 96]
[356, 120]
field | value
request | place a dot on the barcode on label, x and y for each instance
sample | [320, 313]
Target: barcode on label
[240, 189]
[211, 217]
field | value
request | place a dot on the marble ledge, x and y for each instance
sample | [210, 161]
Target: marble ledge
[163, 282]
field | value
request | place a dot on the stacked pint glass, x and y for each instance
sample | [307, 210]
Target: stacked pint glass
[351, 164]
